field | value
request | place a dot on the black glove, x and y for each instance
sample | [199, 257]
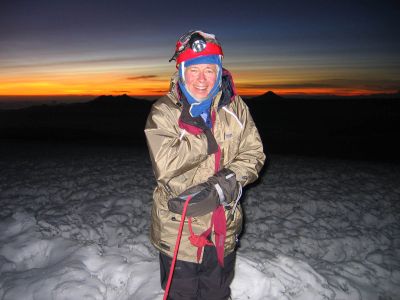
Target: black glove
[226, 186]
[220, 189]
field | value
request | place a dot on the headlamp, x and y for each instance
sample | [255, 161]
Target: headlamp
[195, 43]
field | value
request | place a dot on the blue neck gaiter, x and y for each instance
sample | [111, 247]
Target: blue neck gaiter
[201, 107]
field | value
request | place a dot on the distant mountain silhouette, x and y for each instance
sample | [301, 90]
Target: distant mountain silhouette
[267, 96]
[384, 95]
[114, 100]
[347, 126]
[107, 117]
[367, 127]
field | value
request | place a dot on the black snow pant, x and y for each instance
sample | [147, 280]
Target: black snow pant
[205, 281]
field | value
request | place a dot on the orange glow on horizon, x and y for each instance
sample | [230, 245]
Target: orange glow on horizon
[105, 85]
[158, 93]
[117, 84]
[314, 91]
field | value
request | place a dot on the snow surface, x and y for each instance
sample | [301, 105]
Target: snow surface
[74, 224]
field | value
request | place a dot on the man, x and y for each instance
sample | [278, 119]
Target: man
[204, 147]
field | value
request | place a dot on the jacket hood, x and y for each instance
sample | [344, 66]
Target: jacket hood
[226, 94]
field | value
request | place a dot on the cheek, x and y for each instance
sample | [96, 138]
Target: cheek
[212, 79]
[189, 78]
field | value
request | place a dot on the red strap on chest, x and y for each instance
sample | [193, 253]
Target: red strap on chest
[218, 219]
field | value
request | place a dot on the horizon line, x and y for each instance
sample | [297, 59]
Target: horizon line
[290, 94]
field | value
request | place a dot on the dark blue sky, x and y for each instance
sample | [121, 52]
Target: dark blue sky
[97, 47]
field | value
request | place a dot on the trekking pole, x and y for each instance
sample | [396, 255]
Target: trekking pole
[177, 243]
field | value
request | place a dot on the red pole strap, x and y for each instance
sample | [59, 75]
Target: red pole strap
[177, 243]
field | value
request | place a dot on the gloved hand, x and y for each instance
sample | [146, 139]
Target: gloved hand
[220, 189]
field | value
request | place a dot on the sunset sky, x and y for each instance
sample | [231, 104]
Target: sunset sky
[88, 47]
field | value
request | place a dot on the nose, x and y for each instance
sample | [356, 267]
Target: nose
[202, 76]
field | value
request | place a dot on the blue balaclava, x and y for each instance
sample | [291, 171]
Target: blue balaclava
[201, 107]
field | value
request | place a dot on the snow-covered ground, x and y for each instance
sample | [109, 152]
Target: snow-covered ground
[74, 222]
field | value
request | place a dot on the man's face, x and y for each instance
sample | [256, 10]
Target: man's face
[200, 79]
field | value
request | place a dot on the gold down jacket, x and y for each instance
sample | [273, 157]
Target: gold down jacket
[180, 161]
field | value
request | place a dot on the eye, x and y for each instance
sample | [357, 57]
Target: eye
[209, 71]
